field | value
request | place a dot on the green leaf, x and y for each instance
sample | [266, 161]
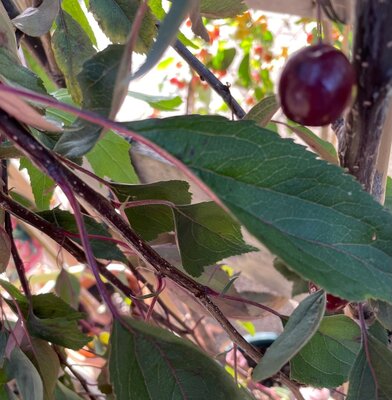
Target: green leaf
[176, 192]
[68, 288]
[222, 8]
[72, 47]
[158, 102]
[168, 30]
[223, 59]
[149, 221]
[110, 159]
[47, 363]
[383, 313]
[49, 306]
[363, 385]
[64, 393]
[300, 328]
[327, 359]
[115, 18]
[51, 319]
[207, 234]
[41, 185]
[149, 363]
[38, 21]
[289, 200]
[388, 194]
[73, 8]
[299, 285]
[27, 378]
[244, 71]
[13, 73]
[101, 248]
[12, 290]
[60, 331]
[263, 111]
[7, 32]
[35, 67]
[321, 147]
[96, 80]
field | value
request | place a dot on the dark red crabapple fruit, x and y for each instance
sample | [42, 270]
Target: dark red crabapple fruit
[334, 303]
[316, 85]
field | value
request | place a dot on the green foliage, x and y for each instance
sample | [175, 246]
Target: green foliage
[263, 111]
[206, 234]
[369, 377]
[150, 363]
[315, 218]
[42, 186]
[326, 360]
[96, 80]
[151, 220]
[110, 159]
[25, 374]
[72, 47]
[115, 17]
[37, 21]
[13, 73]
[299, 329]
[221, 8]
[104, 249]
[277, 190]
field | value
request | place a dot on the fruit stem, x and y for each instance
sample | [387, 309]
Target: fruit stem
[319, 23]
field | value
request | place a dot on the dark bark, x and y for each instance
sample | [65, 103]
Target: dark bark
[372, 60]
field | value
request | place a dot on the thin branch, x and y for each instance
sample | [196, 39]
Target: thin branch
[85, 385]
[46, 161]
[20, 269]
[160, 288]
[206, 75]
[365, 343]
[109, 124]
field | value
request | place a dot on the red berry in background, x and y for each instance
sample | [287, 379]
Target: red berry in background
[334, 303]
[316, 85]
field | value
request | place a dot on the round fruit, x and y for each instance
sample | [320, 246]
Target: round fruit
[316, 85]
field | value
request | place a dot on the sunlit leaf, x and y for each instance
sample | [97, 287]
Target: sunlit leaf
[68, 288]
[115, 18]
[158, 102]
[41, 184]
[263, 111]
[71, 47]
[222, 8]
[74, 9]
[110, 159]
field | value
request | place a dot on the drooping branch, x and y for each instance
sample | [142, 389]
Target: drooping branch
[47, 162]
[372, 60]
